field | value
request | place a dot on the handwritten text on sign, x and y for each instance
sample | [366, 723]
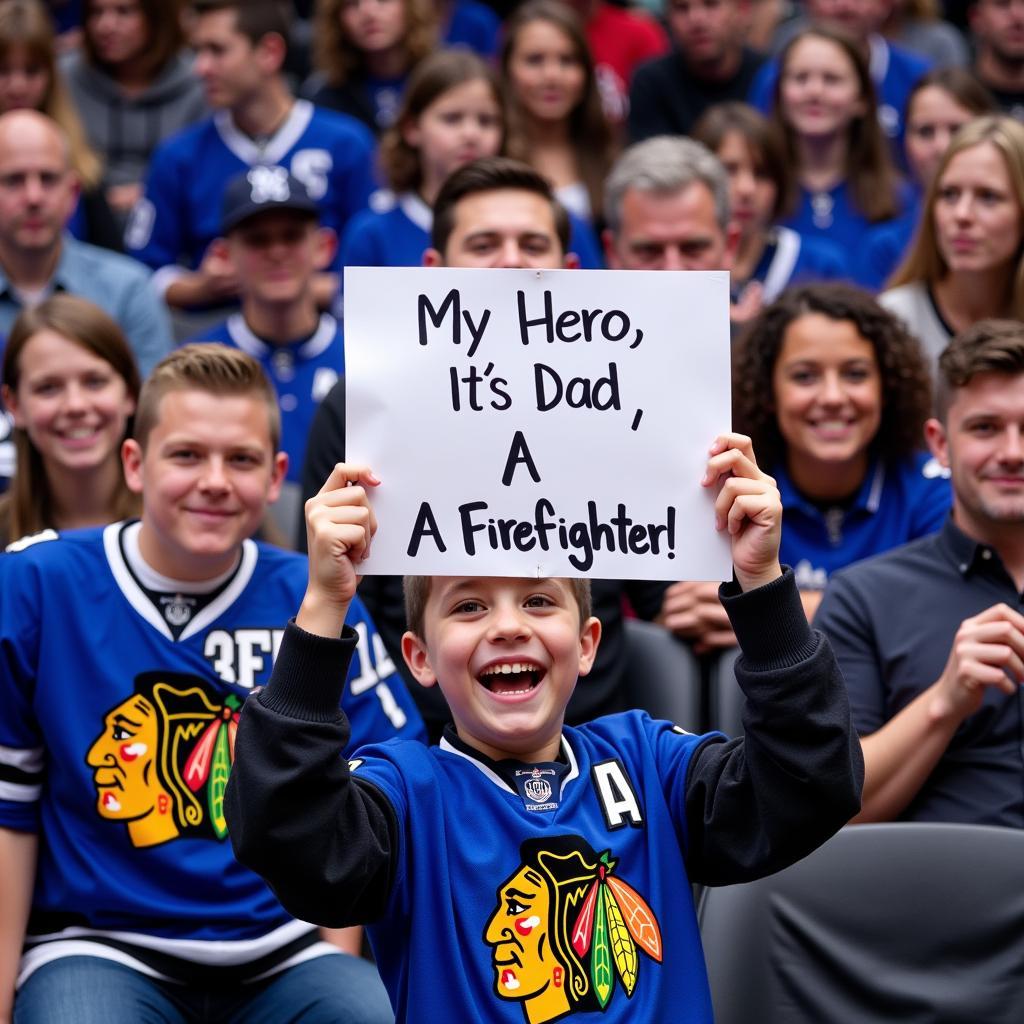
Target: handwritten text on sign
[538, 423]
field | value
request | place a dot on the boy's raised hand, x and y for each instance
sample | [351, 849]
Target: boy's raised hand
[749, 507]
[339, 526]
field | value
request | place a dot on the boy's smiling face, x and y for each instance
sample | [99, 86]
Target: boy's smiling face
[506, 653]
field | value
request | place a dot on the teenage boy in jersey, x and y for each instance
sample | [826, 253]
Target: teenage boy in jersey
[126, 653]
[240, 51]
[274, 241]
[552, 864]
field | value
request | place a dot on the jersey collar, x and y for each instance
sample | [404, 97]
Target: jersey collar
[250, 342]
[276, 147]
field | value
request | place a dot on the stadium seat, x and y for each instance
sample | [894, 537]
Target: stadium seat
[899, 922]
[725, 698]
[663, 676]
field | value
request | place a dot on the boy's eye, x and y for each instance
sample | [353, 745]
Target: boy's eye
[538, 601]
[468, 607]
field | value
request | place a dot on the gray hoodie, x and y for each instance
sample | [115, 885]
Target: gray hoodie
[126, 129]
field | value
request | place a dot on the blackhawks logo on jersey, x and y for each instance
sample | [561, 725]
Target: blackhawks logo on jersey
[567, 931]
[161, 764]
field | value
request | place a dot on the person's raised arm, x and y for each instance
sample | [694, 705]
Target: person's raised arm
[988, 650]
[295, 816]
[18, 857]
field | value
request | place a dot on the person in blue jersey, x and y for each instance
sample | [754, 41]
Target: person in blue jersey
[942, 102]
[364, 51]
[566, 892]
[452, 114]
[112, 792]
[835, 392]
[893, 69]
[70, 384]
[966, 263]
[240, 50]
[825, 111]
[759, 180]
[273, 239]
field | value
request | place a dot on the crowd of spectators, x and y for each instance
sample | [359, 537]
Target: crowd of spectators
[179, 171]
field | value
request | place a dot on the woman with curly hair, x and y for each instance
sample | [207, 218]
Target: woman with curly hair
[555, 119]
[834, 393]
[364, 50]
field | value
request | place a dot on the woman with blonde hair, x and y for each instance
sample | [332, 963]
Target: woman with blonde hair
[364, 51]
[70, 384]
[555, 119]
[965, 263]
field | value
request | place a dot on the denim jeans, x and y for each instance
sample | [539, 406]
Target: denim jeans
[337, 989]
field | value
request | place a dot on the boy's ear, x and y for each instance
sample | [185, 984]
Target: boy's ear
[432, 258]
[935, 435]
[131, 460]
[414, 650]
[326, 247]
[590, 638]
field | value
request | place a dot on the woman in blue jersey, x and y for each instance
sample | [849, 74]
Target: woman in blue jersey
[364, 51]
[71, 384]
[826, 109]
[835, 393]
[966, 262]
[452, 114]
[941, 102]
[769, 255]
[556, 122]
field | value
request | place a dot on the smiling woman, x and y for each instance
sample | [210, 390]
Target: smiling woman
[71, 384]
[848, 392]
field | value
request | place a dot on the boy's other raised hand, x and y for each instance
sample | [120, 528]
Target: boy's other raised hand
[749, 507]
[339, 526]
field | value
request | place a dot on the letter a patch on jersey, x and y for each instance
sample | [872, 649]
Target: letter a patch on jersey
[616, 795]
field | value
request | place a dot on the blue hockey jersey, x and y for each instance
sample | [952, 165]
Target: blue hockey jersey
[116, 742]
[330, 153]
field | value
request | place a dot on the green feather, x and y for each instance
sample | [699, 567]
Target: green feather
[219, 771]
[601, 957]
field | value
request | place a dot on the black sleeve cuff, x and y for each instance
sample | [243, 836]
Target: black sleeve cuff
[769, 622]
[309, 675]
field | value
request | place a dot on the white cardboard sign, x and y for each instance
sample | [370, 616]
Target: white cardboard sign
[539, 422]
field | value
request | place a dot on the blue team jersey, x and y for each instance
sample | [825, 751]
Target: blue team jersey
[897, 503]
[790, 259]
[396, 231]
[302, 373]
[886, 245]
[581, 879]
[116, 741]
[330, 153]
[474, 25]
[894, 71]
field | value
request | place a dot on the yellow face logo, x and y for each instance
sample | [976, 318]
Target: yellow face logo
[565, 929]
[161, 763]
[123, 760]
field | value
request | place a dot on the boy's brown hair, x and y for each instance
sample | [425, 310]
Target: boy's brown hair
[989, 346]
[417, 590]
[210, 367]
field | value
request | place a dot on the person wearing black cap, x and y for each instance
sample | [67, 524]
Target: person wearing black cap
[273, 239]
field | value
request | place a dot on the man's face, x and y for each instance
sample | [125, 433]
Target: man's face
[277, 255]
[503, 228]
[998, 25]
[982, 443]
[706, 31]
[38, 191]
[670, 231]
[206, 476]
[229, 66]
[506, 654]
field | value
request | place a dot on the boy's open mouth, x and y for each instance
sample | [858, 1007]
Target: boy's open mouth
[514, 677]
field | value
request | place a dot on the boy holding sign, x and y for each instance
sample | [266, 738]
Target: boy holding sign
[549, 865]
